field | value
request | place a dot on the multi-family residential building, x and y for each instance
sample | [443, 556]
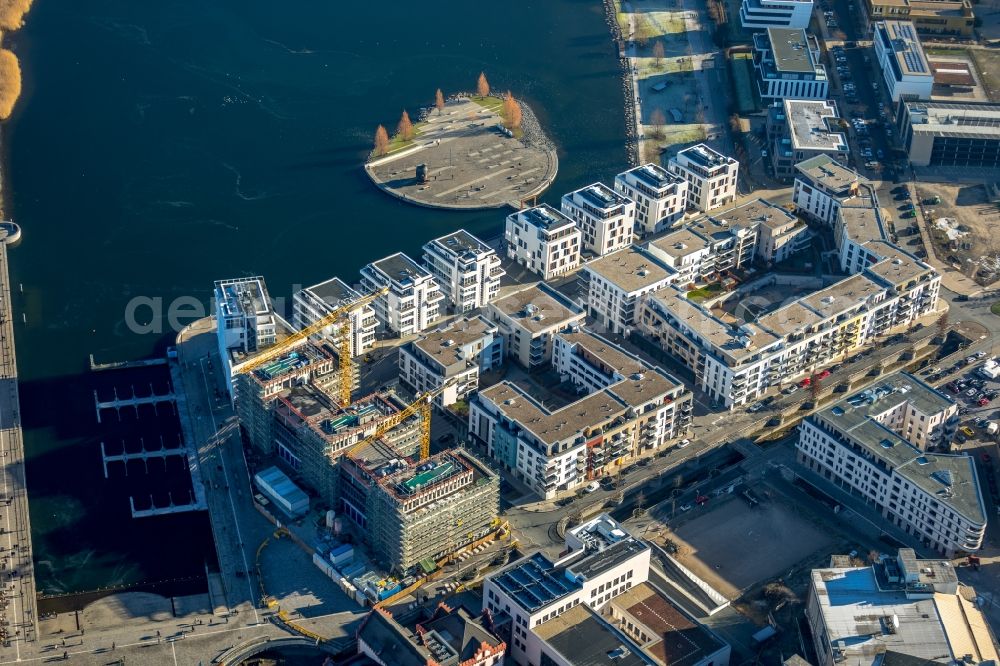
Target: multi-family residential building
[711, 176]
[660, 197]
[874, 444]
[312, 304]
[823, 185]
[788, 65]
[776, 13]
[929, 17]
[603, 561]
[467, 270]
[855, 229]
[453, 357]
[449, 637]
[630, 409]
[899, 610]
[418, 511]
[528, 319]
[616, 281]
[689, 254]
[413, 301]
[962, 134]
[543, 240]
[799, 129]
[736, 364]
[905, 69]
[606, 218]
[245, 321]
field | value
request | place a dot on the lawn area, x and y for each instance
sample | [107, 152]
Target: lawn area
[995, 309]
[705, 293]
[493, 104]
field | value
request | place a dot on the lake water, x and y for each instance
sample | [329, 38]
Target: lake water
[160, 146]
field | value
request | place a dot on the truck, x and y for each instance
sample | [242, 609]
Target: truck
[992, 428]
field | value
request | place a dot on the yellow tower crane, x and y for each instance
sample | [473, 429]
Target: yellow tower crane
[423, 405]
[336, 317]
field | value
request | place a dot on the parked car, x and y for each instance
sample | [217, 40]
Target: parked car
[592, 486]
[684, 443]
[967, 431]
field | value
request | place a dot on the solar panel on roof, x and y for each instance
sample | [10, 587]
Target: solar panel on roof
[914, 62]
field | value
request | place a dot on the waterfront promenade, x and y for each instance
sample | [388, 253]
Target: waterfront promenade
[18, 612]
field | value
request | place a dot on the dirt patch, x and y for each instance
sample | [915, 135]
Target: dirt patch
[972, 246]
[732, 547]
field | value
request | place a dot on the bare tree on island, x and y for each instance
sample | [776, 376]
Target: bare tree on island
[658, 54]
[511, 112]
[405, 128]
[657, 120]
[439, 101]
[482, 85]
[381, 141]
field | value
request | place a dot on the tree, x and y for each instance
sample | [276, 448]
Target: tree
[482, 85]
[814, 388]
[658, 54]
[381, 141]
[942, 324]
[405, 128]
[439, 101]
[511, 112]
[734, 124]
[657, 120]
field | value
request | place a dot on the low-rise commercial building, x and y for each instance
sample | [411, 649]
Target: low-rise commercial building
[312, 304]
[603, 560]
[453, 357]
[543, 240]
[414, 298]
[929, 17]
[899, 610]
[616, 281]
[528, 319]
[629, 409]
[776, 13]
[606, 218]
[711, 176]
[823, 185]
[905, 70]
[467, 270]
[951, 134]
[413, 512]
[798, 130]
[660, 197]
[875, 445]
[788, 65]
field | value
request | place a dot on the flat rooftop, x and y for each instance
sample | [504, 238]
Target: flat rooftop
[791, 50]
[243, 296]
[828, 173]
[862, 223]
[400, 268]
[582, 638]
[598, 196]
[607, 558]
[955, 119]
[751, 213]
[680, 243]
[444, 345]
[900, 37]
[808, 125]
[538, 308]
[705, 156]
[534, 582]
[292, 361]
[897, 266]
[333, 292]
[544, 217]
[654, 176]
[461, 242]
[789, 319]
[842, 296]
[630, 269]
[678, 641]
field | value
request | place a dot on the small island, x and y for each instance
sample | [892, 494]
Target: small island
[471, 151]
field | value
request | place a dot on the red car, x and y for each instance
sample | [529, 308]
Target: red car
[823, 375]
[983, 402]
[805, 382]
[701, 500]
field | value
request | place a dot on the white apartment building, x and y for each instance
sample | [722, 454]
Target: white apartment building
[736, 365]
[688, 254]
[788, 65]
[711, 176]
[455, 354]
[467, 270]
[603, 561]
[615, 282]
[660, 197]
[245, 321]
[313, 303]
[606, 218]
[854, 231]
[799, 129]
[874, 445]
[543, 240]
[630, 408]
[823, 185]
[905, 69]
[900, 609]
[414, 299]
[528, 319]
[776, 13]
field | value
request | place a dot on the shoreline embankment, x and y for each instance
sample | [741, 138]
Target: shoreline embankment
[11, 19]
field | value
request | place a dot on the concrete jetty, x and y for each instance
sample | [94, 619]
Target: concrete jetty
[18, 614]
[135, 401]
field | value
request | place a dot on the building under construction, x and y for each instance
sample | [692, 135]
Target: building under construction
[414, 513]
[289, 409]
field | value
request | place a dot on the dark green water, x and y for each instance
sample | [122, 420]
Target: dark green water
[162, 145]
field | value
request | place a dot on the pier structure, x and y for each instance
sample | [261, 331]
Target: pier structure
[135, 401]
[143, 454]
